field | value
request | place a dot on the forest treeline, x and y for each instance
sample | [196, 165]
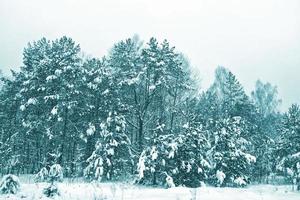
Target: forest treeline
[139, 113]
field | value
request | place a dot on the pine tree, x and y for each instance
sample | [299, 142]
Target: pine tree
[112, 157]
[230, 153]
[288, 150]
[51, 97]
[179, 159]
[55, 174]
[11, 141]
[10, 184]
[99, 94]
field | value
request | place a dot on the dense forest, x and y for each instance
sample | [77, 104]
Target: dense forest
[140, 114]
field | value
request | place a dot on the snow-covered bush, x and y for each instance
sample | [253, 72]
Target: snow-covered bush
[42, 175]
[112, 155]
[175, 160]
[231, 160]
[10, 184]
[51, 191]
[53, 175]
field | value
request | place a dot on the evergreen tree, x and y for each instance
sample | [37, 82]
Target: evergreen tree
[181, 158]
[50, 101]
[288, 150]
[112, 157]
[10, 184]
[230, 153]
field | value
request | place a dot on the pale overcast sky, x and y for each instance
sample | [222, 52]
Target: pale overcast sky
[255, 39]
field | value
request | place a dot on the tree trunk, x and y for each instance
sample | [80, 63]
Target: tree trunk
[141, 134]
[61, 158]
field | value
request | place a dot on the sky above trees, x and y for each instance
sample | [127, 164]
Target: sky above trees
[254, 39]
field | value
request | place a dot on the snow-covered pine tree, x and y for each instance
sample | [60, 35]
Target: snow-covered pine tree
[231, 95]
[288, 150]
[51, 100]
[127, 73]
[112, 157]
[9, 184]
[231, 124]
[10, 146]
[55, 174]
[176, 159]
[44, 173]
[230, 153]
[98, 97]
[151, 81]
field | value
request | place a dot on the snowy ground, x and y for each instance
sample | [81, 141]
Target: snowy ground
[109, 191]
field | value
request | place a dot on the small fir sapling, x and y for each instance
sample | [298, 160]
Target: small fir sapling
[55, 175]
[10, 184]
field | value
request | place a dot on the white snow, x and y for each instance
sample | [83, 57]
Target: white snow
[92, 86]
[57, 72]
[220, 176]
[99, 172]
[71, 190]
[110, 151]
[31, 101]
[105, 91]
[296, 155]
[170, 182]
[223, 131]
[188, 168]
[161, 127]
[133, 80]
[200, 170]
[173, 146]
[22, 107]
[114, 143]
[240, 181]
[250, 158]
[91, 130]
[152, 87]
[52, 97]
[97, 80]
[108, 162]
[25, 124]
[205, 163]
[154, 153]
[289, 171]
[186, 125]
[54, 110]
[141, 165]
[51, 77]
[26, 82]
